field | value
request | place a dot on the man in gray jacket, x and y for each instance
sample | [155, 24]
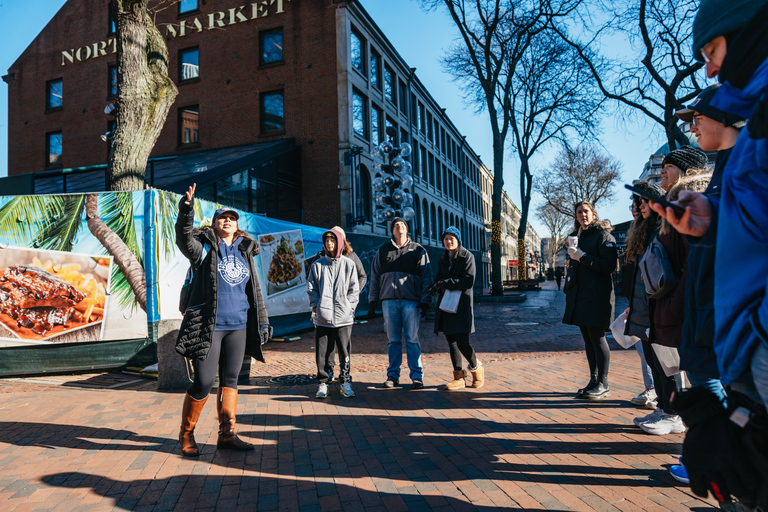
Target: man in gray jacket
[400, 278]
[333, 296]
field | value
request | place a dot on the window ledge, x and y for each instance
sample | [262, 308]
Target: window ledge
[188, 146]
[272, 133]
[274, 64]
[54, 109]
[189, 81]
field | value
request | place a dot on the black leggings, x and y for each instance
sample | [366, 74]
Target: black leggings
[458, 345]
[598, 353]
[227, 352]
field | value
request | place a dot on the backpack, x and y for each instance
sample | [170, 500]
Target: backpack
[658, 275]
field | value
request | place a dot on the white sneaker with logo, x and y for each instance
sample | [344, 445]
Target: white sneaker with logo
[322, 390]
[656, 414]
[346, 390]
[665, 424]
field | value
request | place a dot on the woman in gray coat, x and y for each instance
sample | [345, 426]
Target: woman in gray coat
[456, 271]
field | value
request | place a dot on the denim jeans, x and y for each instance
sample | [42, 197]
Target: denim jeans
[647, 373]
[401, 318]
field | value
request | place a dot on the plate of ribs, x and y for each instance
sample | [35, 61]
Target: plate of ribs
[43, 300]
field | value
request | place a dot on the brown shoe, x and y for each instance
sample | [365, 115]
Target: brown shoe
[478, 377]
[458, 381]
[190, 413]
[226, 404]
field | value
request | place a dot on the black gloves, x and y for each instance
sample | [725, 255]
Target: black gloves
[423, 307]
[713, 452]
[265, 333]
[372, 308]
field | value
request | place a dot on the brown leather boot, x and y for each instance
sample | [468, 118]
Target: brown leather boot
[478, 377]
[458, 381]
[226, 404]
[190, 413]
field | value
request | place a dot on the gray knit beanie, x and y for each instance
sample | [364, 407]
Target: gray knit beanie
[686, 158]
[720, 17]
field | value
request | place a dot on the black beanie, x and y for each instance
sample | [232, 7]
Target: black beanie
[395, 221]
[720, 17]
[686, 158]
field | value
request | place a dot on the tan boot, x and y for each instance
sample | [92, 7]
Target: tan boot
[226, 404]
[190, 413]
[478, 377]
[458, 381]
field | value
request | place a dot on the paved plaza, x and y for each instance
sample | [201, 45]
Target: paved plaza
[109, 442]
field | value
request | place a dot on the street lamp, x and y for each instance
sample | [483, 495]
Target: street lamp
[391, 186]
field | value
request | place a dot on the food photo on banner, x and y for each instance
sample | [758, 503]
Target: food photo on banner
[59, 277]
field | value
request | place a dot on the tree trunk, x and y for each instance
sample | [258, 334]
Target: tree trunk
[498, 186]
[526, 182]
[124, 258]
[144, 96]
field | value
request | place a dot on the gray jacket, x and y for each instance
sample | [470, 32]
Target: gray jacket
[333, 291]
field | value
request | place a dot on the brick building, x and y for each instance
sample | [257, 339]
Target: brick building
[280, 103]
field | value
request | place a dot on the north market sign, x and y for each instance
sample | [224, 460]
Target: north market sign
[211, 21]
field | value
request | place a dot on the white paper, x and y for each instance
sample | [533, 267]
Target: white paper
[617, 328]
[450, 301]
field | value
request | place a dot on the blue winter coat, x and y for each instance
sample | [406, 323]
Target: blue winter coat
[741, 271]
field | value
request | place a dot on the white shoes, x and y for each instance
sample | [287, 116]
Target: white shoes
[664, 424]
[645, 399]
[346, 390]
[322, 391]
[656, 414]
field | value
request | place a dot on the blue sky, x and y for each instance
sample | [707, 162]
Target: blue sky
[421, 38]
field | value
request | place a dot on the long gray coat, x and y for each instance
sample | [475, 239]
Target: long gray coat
[459, 275]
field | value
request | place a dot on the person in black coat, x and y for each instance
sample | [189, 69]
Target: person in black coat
[224, 318]
[456, 272]
[559, 276]
[589, 299]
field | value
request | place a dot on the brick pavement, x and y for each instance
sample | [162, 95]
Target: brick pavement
[520, 442]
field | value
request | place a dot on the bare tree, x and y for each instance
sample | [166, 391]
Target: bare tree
[578, 174]
[557, 223]
[145, 93]
[660, 78]
[494, 37]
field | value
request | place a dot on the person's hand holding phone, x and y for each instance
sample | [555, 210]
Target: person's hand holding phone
[695, 220]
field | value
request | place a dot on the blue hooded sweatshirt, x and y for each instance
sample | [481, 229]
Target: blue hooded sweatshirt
[232, 310]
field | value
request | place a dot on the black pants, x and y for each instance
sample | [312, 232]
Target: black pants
[664, 385]
[458, 345]
[327, 340]
[227, 352]
[558, 279]
[598, 353]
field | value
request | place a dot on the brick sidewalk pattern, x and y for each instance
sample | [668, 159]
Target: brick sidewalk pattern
[521, 442]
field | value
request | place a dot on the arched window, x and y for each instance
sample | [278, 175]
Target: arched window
[417, 222]
[440, 227]
[425, 214]
[451, 219]
[433, 225]
[445, 215]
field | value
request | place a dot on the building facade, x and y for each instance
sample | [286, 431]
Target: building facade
[280, 104]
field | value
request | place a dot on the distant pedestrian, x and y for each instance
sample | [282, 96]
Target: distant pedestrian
[589, 299]
[400, 278]
[225, 320]
[559, 276]
[333, 296]
[456, 272]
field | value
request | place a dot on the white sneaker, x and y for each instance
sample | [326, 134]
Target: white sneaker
[346, 390]
[644, 398]
[322, 391]
[665, 424]
[656, 414]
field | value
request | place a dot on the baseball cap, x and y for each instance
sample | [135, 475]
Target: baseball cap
[222, 211]
[702, 105]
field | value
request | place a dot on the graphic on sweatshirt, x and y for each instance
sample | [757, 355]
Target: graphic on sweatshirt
[233, 270]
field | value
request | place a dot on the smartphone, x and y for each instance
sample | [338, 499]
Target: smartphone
[679, 210]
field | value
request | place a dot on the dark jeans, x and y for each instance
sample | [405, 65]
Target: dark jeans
[458, 345]
[558, 279]
[598, 353]
[664, 385]
[327, 340]
[227, 352]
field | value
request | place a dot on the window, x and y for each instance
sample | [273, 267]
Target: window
[54, 98]
[188, 125]
[376, 126]
[359, 115]
[392, 124]
[429, 132]
[112, 82]
[358, 52]
[375, 69]
[271, 46]
[403, 98]
[422, 120]
[111, 27]
[189, 64]
[389, 84]
[272, 117]
[53, 144]
[186, 6]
